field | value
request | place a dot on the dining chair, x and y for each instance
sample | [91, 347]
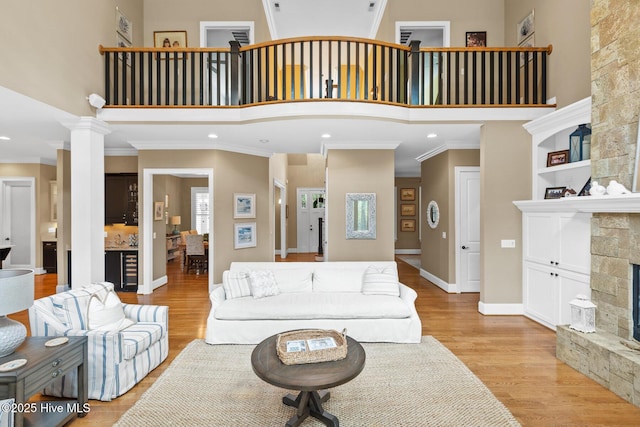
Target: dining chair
[195, 253]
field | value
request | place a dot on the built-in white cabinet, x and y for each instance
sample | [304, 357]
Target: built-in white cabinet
[550, 133]
[556, 234]
[556, 264]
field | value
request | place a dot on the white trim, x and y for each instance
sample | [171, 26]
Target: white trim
[120, 152]
[146, 287]
[377, 19]
[408, 251]
[39, 270]
[283, 216]
[500, 309]
[32, 215]
[159, 282]
[198, 145]
[569, 116]
[36, 160]
[451, 145]
[451, 288]
[226, 25]
[271, 22]
[445, 25]
[624, 203]
[358, 146]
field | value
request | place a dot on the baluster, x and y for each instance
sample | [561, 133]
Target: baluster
[311, 69]
[339, 69]
[301, 70]
[534, 91]
[107, 77]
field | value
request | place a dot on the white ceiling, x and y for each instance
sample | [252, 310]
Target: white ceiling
[36, 129]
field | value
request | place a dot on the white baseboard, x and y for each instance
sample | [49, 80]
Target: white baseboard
[408, 251]
[447, 287]
[500, 309]
[39, 270]
[159, 282]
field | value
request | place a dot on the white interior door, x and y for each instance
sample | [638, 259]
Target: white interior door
[468, 229]
[310, 207]
[17, 224]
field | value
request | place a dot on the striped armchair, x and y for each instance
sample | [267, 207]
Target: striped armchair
[118, 360]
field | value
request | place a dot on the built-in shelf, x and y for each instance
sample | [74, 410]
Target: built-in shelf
[565, 167]
[624, 203]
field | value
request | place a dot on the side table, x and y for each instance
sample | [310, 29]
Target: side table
[44, 366]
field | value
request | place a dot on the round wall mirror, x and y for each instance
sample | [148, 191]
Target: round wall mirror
[433, 214]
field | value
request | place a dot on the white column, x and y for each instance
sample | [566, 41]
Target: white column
[87, 201]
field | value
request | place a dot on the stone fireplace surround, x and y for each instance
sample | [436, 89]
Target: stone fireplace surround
[610, 356]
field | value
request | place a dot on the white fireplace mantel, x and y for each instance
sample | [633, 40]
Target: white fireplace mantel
[624, 203]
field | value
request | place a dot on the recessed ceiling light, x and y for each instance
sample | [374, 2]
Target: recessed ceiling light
[432, 135]
[212, 136]
[326, 135]
[264, 141]
[4, 138]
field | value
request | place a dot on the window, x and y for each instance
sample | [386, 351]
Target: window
[200, 210]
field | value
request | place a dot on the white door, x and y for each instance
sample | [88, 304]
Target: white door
[310, 207]
[17, 224]
[468, 228]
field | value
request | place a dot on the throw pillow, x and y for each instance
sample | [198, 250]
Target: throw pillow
[380, 281]
[263, 283]
[236, 284]
[107, 315]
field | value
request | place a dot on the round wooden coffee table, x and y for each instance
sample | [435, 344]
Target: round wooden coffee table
[311, 379]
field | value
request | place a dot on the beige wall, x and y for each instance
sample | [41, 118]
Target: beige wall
[277, 171]
[43, 174]
[166, 15]
[565, 25]
[121, 164]
[303, 171]
[438, 184]
[360, 171]
[52, 55]
[485, 15]
[407, 239]
[63, 178]
[232, 173]
[505, 161]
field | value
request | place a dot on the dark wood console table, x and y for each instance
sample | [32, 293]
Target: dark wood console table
[44, 366]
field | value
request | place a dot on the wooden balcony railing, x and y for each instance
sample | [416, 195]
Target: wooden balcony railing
[318, 68]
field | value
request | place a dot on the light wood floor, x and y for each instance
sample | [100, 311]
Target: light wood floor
[512, 355]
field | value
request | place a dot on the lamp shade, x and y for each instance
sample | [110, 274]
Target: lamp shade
[16, 290]
[176, 220]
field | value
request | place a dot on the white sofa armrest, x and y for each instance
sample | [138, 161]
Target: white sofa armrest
[217, 296]
[407, 294]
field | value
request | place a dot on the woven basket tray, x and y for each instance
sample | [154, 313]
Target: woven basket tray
[308, 356]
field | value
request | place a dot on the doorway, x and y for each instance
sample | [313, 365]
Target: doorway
[18, 221]
[149, 236]
[467, 219]
[310, 203]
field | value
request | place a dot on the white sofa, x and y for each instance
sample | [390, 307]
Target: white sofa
[355, 295]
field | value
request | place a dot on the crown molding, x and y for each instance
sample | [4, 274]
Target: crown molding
[451, 145]
[198, 145]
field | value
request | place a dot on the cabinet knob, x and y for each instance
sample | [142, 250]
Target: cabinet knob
[56, 362]
[55, 373]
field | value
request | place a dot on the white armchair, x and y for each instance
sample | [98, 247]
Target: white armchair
[118, 359]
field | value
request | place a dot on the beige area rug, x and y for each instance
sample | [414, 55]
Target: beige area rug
[412, 260]
[401, 385]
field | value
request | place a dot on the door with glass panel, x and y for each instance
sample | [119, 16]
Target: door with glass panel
[310, 208]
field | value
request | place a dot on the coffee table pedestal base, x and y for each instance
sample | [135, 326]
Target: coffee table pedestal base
[310, 403]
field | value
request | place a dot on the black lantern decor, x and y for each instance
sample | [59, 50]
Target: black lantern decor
[580, 144]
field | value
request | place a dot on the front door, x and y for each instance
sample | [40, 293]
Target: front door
[310, 207]
[468, 228]
[17, 222]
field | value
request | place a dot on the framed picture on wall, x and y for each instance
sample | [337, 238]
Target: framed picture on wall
[526, 27]
[244, 205]
[408, 209]
[408, 194]
[244, 235]
[476, 39]
[554, 192]
[158, 210]
[408, 225]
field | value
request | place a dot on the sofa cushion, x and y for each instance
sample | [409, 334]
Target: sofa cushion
[139, 337]
[324, 305]
[378, 280]
[236, 284]
[337, 279]
[71, 307]
[294, 280]
[106, 314]
[263, 283]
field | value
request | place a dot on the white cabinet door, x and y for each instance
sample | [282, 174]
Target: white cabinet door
[574, 242]
[539, 293]
[540, 232]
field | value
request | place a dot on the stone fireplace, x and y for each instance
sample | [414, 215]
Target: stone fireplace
[611, 356]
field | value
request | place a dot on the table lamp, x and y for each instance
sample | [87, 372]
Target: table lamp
[16, 288]
[175, 221]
